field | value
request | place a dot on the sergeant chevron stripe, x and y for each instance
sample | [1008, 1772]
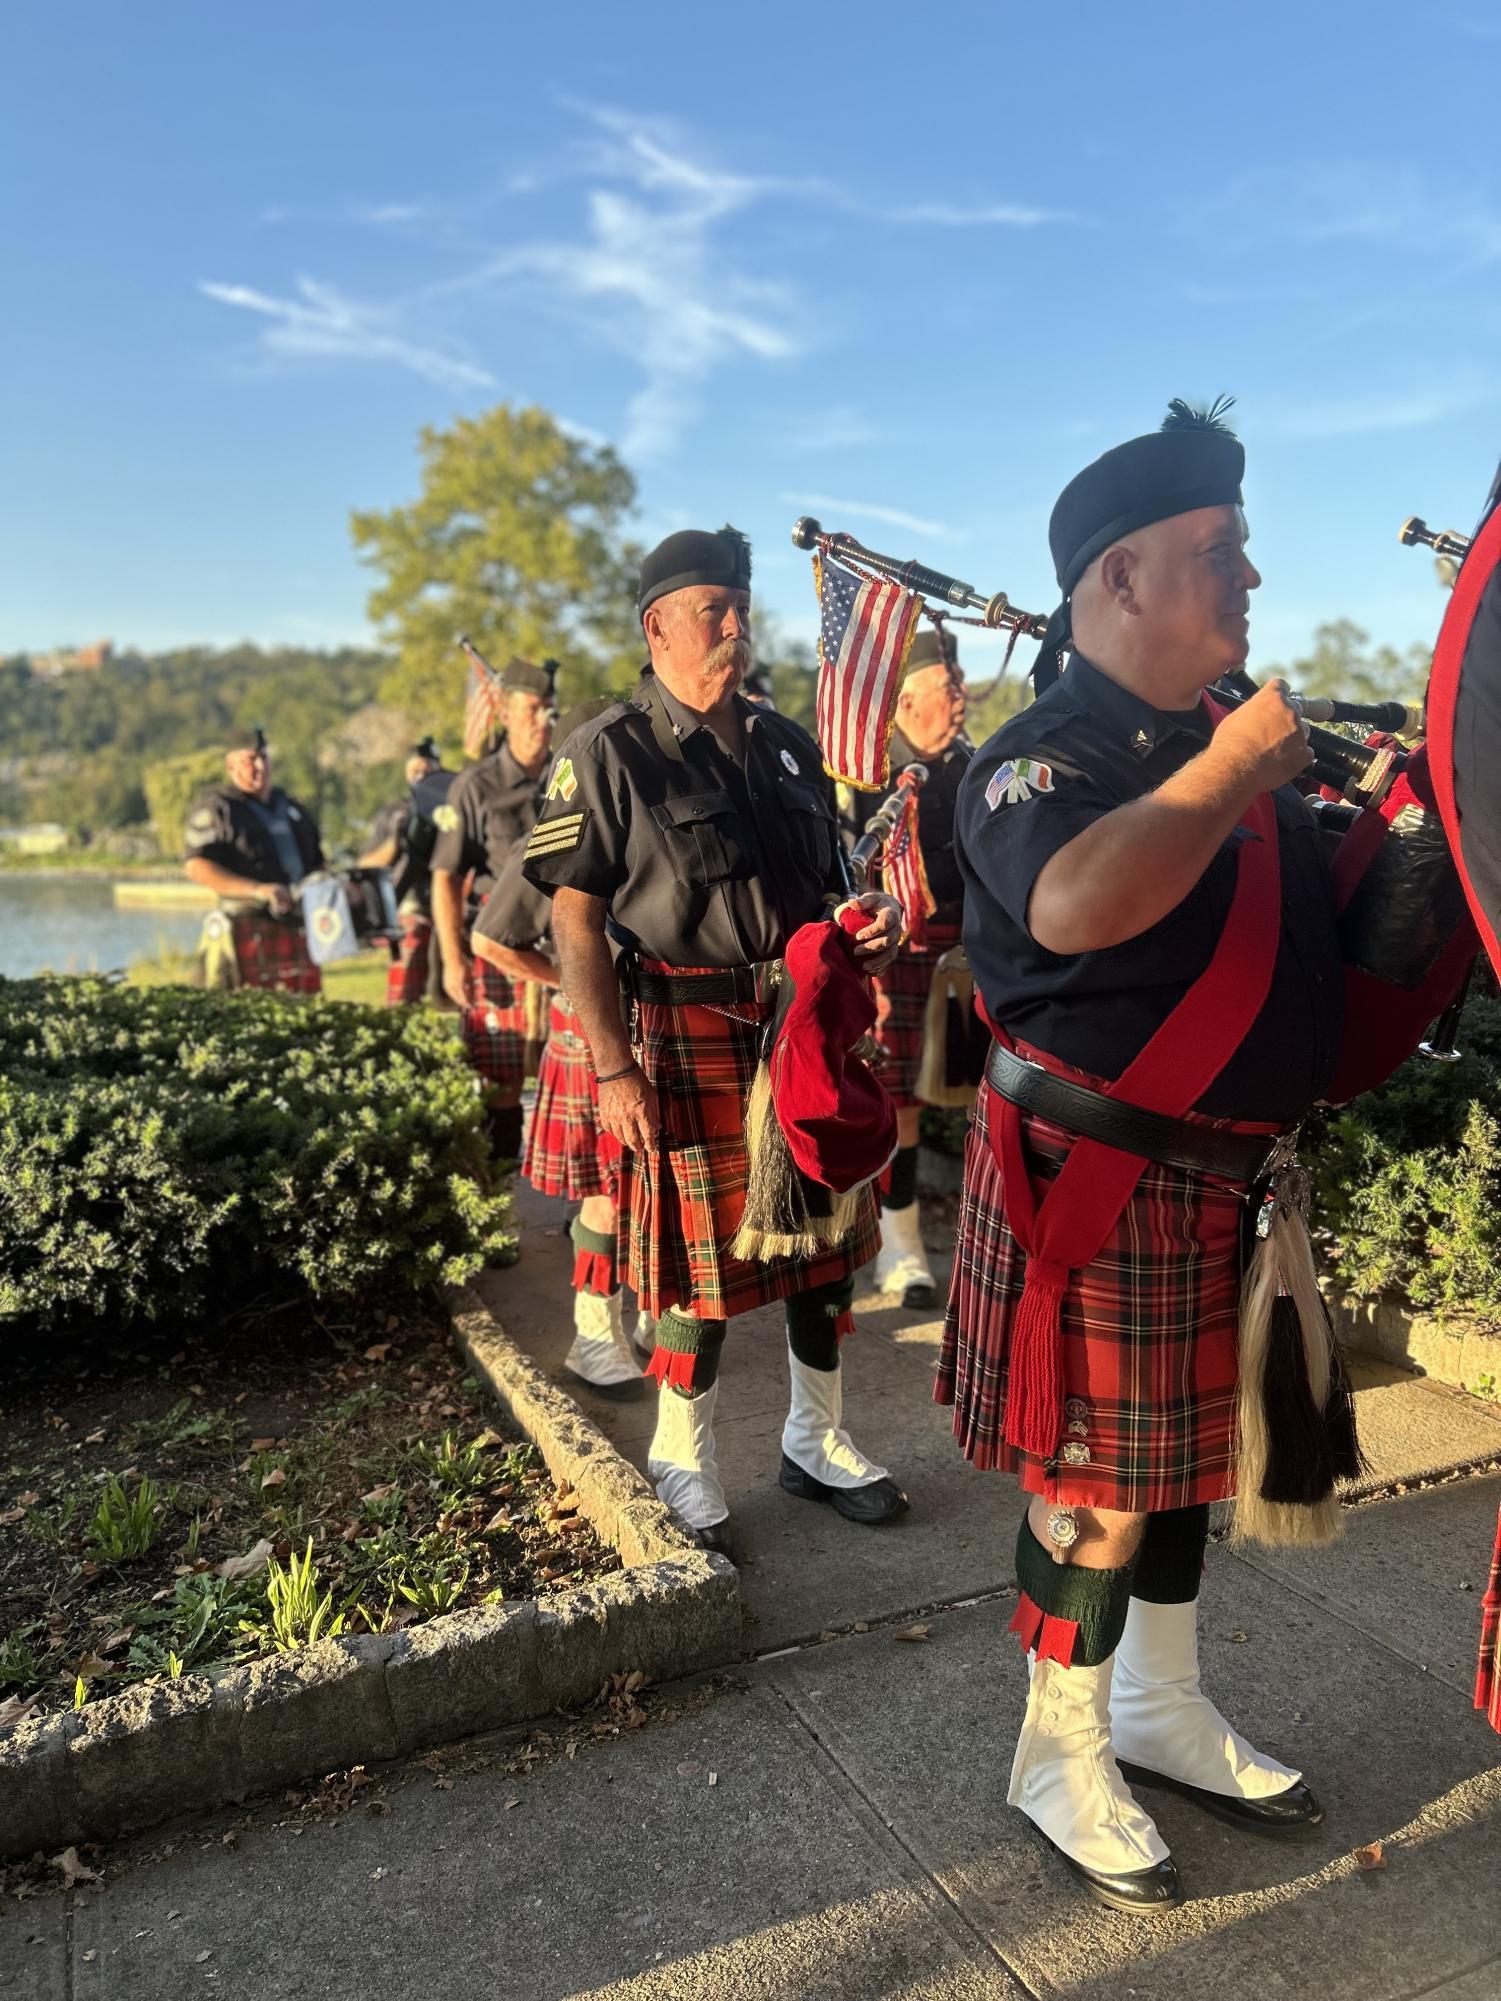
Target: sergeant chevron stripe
[557, 835]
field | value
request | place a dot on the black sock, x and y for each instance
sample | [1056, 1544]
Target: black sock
[1170, 1563]
[813, 1322]
[503, 1125]
[901, 1179]
[1096, 1601]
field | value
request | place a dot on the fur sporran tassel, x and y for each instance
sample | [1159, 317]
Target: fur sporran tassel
[785, 1215]
[1296, 1422]
[948, 1075]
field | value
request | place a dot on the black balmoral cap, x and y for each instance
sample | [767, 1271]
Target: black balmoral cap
[694, 556]
[932, 645]
[427, 748]
[525, 677]
[1195, 460]
[246, 736]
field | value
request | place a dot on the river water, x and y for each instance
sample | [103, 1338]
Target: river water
[69, 924]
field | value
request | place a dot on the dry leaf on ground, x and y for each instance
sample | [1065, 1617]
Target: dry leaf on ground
[248, 1565]
[277, 1477]
[1372, 1856]
[16, 1708]
[74, 1871]
[912, 1633]
[377, 1351]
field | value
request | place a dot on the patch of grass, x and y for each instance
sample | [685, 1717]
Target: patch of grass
[124, 1526]
[297, 1616]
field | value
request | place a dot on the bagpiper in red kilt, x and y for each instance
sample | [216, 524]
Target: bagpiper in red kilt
[681, 1205]
[901, 1006]
[406, 976]
[566, 1153]
[1149, 1330]
[1488, 1675]
[494, 1025]
[271, 952]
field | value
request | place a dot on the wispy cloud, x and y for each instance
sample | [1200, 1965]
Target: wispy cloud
[1363, 416]
[321, 324]
[359, 214]
[1357, 202]
[871, 510]
[983, 215]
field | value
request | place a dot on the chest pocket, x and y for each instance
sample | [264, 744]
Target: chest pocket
[702, 838]
[810, 826]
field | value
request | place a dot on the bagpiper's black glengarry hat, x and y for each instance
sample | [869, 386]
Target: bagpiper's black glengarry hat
[524, 677]
[694, 556]
[246, 736]
[1195, 460]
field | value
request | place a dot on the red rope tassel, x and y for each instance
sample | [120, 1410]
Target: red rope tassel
[1054, 1639]
[1034, 1379]
[672, 1367]
[594, 1271]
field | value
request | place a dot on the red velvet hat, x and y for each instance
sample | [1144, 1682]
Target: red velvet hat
[838, 1121]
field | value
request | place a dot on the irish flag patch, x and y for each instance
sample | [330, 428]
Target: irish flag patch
[1017, 779]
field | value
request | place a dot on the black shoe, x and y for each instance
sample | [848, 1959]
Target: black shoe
[1287, 1813]
[874, 1505]
[715, 1539]
[1143, 1892]
[916, 1297]
[629, 1391]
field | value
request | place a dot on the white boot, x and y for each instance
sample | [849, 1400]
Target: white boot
[600, 1354]
[901, 1262]
[645, 1335]
[1166, 1724]
[680, 1460]
[813, 1436]
[1066, 1781]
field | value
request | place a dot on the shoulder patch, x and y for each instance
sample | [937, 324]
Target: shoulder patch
[1017, 779]
[559, 834]
[563, 783]
[445, 817]
[203, 824]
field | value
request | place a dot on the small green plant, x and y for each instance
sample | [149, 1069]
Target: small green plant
[53, 1530]
[386, 1510]
[80, 1693]
[1485, 1386]
[124, 1526]
[19, 1665]
[186, 1424]
[299, 1616]
[436, 1578]
[459, 1470]
[191, 1540]
[200, 1626]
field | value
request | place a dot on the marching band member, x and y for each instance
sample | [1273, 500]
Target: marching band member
[252, 844]
[929, 731]
[402, 840]
[1145, 901]
[491, 808]
[695, 833]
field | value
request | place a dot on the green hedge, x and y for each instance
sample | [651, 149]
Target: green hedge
[1407, 1180]
[164, 1150]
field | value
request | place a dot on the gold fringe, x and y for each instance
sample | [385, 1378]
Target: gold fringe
[776, 1222]
[952, 980]
[1283, 1262]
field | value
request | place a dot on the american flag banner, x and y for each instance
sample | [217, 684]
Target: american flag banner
[903, 873]
[864, 636]
[482, 703]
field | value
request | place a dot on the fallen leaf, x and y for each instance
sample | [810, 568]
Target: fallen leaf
[380, 1808]
[74, 1871]
[862, 1625]
[277, 1477]
[487, 1437]
[113, 1641]
[195, 1389]
[15, 1709]
[377, 1351]
[263, 1444]
[28, 1500]
[689, 1769]
[912, 1633]
[380, 1493]
[11, 1515]
[1238, 1639]
[512, 1801]
[230, 1838]
[94, 1438]
[1372, 1856]
[90, 1664]
[376, 1875]
[442, 1785]
[248, 1565]
[498, 1521]
[200, 1957]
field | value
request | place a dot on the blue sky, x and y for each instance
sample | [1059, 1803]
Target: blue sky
[906, 268]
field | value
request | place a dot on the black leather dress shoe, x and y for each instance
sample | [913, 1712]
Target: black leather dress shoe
[916, 1297]
[1142, 1892]
[1287, 1813]
[629, 1391]
[715, 1538]
[874, 1505]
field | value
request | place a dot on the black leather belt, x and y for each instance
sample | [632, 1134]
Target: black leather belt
[734, 986]
[1243, 1158]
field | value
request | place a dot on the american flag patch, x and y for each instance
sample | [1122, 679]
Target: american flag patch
[1017, 779]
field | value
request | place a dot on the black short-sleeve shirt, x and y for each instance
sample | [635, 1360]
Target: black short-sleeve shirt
[230, 828]
[703, 861]
[936, 804]
[1083, 749]
[489, 808]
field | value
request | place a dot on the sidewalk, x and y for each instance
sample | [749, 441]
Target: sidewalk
[834, 1827]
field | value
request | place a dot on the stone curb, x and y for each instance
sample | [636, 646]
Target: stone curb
[171, 1747]
[1455, 1350]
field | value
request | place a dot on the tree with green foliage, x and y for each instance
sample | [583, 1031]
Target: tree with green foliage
[1344, 664]
[517, 539]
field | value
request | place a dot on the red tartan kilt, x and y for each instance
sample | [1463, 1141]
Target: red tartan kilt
[1149, 1335]
[493, 1025]
[566, 1153]
[1488, 1674]
[901, 1003]
[681, 1205]
[272, 952]
[406, 976]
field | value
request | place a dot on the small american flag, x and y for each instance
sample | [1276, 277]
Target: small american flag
[482, 703]
[903, 873]
[865, 633]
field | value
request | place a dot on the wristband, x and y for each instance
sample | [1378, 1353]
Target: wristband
[616, 1075]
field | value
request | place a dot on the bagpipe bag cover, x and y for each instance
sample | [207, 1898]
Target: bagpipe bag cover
[1464, 729]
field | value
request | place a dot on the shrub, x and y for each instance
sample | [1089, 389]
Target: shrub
[1407, 1180]
[163, 1149]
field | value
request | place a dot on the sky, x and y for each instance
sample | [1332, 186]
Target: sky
[907, 269]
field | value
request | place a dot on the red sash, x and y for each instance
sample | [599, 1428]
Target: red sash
[1068, 1228]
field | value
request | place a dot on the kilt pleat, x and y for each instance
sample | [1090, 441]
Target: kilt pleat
[493, 1024]
[1149, 1336]
[901, 994]
[1488, 1674]
[566, 1153]
[406, 976]
[681, 1204]
[272, 952]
